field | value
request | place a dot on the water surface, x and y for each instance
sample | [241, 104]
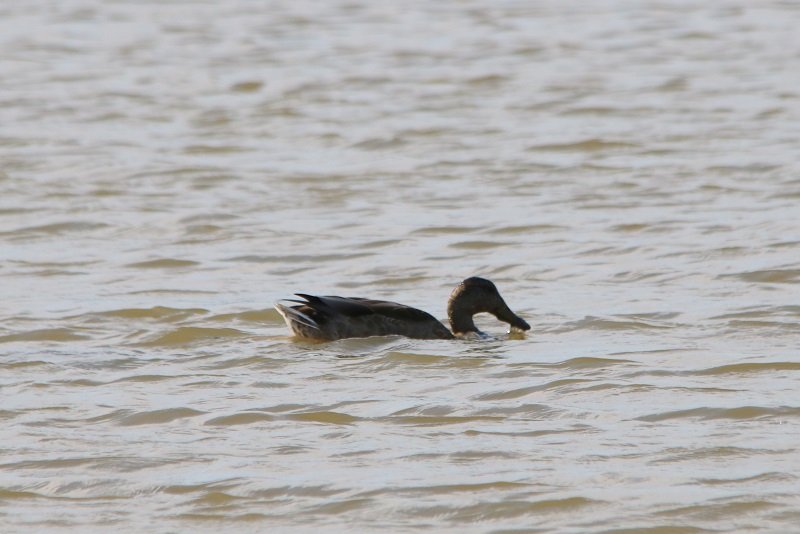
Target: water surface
[626, 172]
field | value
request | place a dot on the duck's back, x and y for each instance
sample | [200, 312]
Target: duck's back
[332, 317]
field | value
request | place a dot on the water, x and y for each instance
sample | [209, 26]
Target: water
[626, 172]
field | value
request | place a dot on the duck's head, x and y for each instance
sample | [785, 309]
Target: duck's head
[477, 295]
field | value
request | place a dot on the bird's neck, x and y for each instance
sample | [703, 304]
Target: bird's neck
[461, 321]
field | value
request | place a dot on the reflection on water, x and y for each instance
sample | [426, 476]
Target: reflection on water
[626, 173]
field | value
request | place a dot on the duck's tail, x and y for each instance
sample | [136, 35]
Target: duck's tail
[298, 321]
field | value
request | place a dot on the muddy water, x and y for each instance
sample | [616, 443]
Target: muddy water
[626, 172]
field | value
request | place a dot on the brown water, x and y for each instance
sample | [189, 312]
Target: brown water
[626, 172]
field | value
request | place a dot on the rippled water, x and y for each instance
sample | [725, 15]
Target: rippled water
[626, 172]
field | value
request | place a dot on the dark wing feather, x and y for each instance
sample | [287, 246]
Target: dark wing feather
[358, 306]
[401, 312]
[331, 317]
[338, 305]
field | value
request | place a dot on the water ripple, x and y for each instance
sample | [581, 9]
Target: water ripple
[186, 335]
[494, 511]
[155, 417]
[742, 412]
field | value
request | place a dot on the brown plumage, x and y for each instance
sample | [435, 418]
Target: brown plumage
[328, 318]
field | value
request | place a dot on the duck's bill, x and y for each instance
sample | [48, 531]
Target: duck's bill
[516, 322]
[519, 324]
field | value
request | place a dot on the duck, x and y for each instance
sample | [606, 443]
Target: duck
[328, 318]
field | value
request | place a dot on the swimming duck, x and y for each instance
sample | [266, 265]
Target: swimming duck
[330, 318]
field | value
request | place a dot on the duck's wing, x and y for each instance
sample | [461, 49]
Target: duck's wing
[329, 305]
[333, 317]
[296, 319]
[394, 310]
[359, 307]
[319, 317]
